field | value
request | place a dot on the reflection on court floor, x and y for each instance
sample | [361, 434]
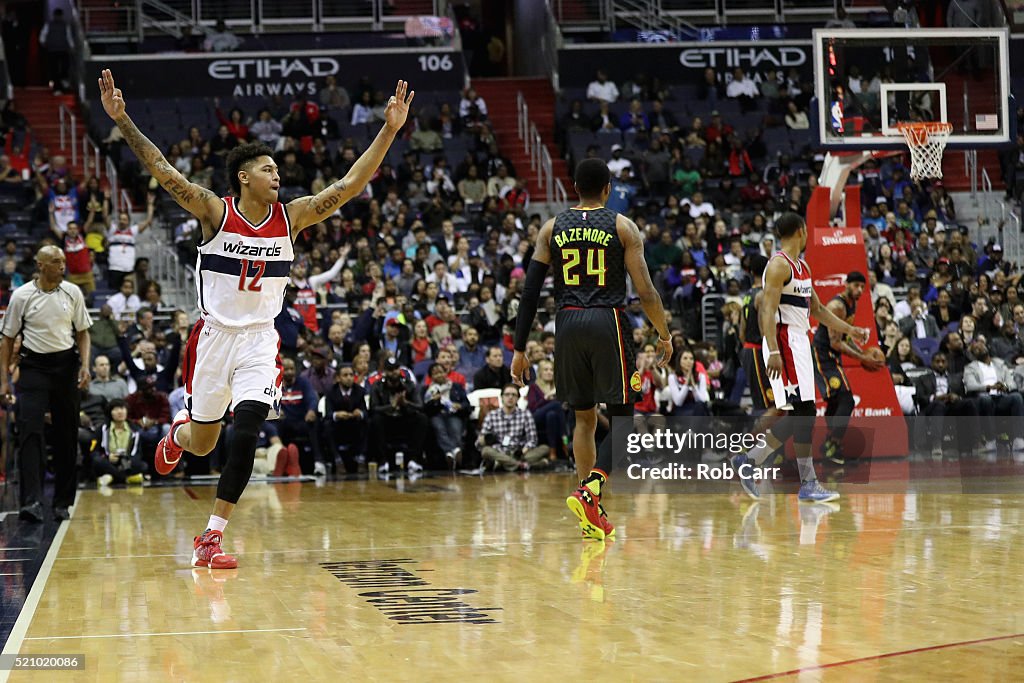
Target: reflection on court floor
[486, 577]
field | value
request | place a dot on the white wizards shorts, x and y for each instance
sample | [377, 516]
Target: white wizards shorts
[224, 366]
[796, 383]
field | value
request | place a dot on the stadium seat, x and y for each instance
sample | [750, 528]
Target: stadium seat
[925, 348]
[421, 368]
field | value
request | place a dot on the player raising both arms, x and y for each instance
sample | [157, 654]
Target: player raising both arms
[244, 263]
[787, 299]
[592, 248]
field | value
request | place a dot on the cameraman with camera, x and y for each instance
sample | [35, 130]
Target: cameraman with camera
[396, 420]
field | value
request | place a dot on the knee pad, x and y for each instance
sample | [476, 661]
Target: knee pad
[249, 417]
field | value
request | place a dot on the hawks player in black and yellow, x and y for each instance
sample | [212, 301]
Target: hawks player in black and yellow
[751, 357]
[829, 347]
[592, 249]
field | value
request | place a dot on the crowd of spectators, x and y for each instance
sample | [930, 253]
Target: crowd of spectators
[396, 328]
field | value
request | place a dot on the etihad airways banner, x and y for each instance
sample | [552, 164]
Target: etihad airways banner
[289, 74]
[832, 253]
[676, 63]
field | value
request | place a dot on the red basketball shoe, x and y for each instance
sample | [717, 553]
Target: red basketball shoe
[168, 453]
[584, 505]
[607, 526]
[207, 552]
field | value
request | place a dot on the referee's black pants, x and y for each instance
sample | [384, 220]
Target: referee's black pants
[48, 382]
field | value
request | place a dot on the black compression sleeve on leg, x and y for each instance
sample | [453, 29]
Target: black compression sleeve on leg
[249, 418]
[803, 417]
[840, 417]
[535, 275]
[832, 404]
[614, 439]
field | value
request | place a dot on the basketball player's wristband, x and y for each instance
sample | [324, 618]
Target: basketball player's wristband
[775, 353]
[535, 274]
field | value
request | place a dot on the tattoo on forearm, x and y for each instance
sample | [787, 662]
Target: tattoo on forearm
[184, 193]
[327, 204]
[145, 150]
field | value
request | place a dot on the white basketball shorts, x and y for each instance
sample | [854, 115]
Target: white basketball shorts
[797, 380]
[224, 366]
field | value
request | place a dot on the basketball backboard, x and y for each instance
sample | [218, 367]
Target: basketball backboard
[959, 76]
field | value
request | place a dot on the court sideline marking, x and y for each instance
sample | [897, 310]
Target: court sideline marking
[28, 610]
[872, 658]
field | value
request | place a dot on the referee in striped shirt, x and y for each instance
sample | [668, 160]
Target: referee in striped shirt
[50, 315]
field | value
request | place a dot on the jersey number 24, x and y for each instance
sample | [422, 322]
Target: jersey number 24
[595, 265]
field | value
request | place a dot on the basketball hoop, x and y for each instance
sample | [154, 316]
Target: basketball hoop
[927, 141]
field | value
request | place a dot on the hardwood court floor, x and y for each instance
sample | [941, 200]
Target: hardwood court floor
[919, 585]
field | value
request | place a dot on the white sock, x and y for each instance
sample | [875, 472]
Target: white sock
[217, 523]
[806, 467]
[174, 437]
[759, 453]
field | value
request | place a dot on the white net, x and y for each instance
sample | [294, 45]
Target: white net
[927, 142]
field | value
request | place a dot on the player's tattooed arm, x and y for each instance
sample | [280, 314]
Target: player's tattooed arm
[838, 340]
[320, 206]
[190, 196]
[195, 199]
[833, 322]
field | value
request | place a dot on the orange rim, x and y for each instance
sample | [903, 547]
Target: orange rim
[917, 133]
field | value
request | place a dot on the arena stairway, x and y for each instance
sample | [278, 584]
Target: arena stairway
[500, 96]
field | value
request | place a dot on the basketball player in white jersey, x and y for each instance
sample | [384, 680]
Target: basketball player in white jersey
[787, 300]
[244, 264]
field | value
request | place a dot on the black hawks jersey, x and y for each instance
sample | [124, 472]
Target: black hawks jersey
[588, 259]
[821, 339]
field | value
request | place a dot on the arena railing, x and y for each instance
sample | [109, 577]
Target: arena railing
[167, 269]
[551, 43]
[68, 120]
[9, 87]
[540, 157]
[79, 55]
[682, 15]
[561, 196]
[649, 15]
[1010, 239]
[88, 149]
[91, 152]
[113, 22]
[711, 329]
[256, 15]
